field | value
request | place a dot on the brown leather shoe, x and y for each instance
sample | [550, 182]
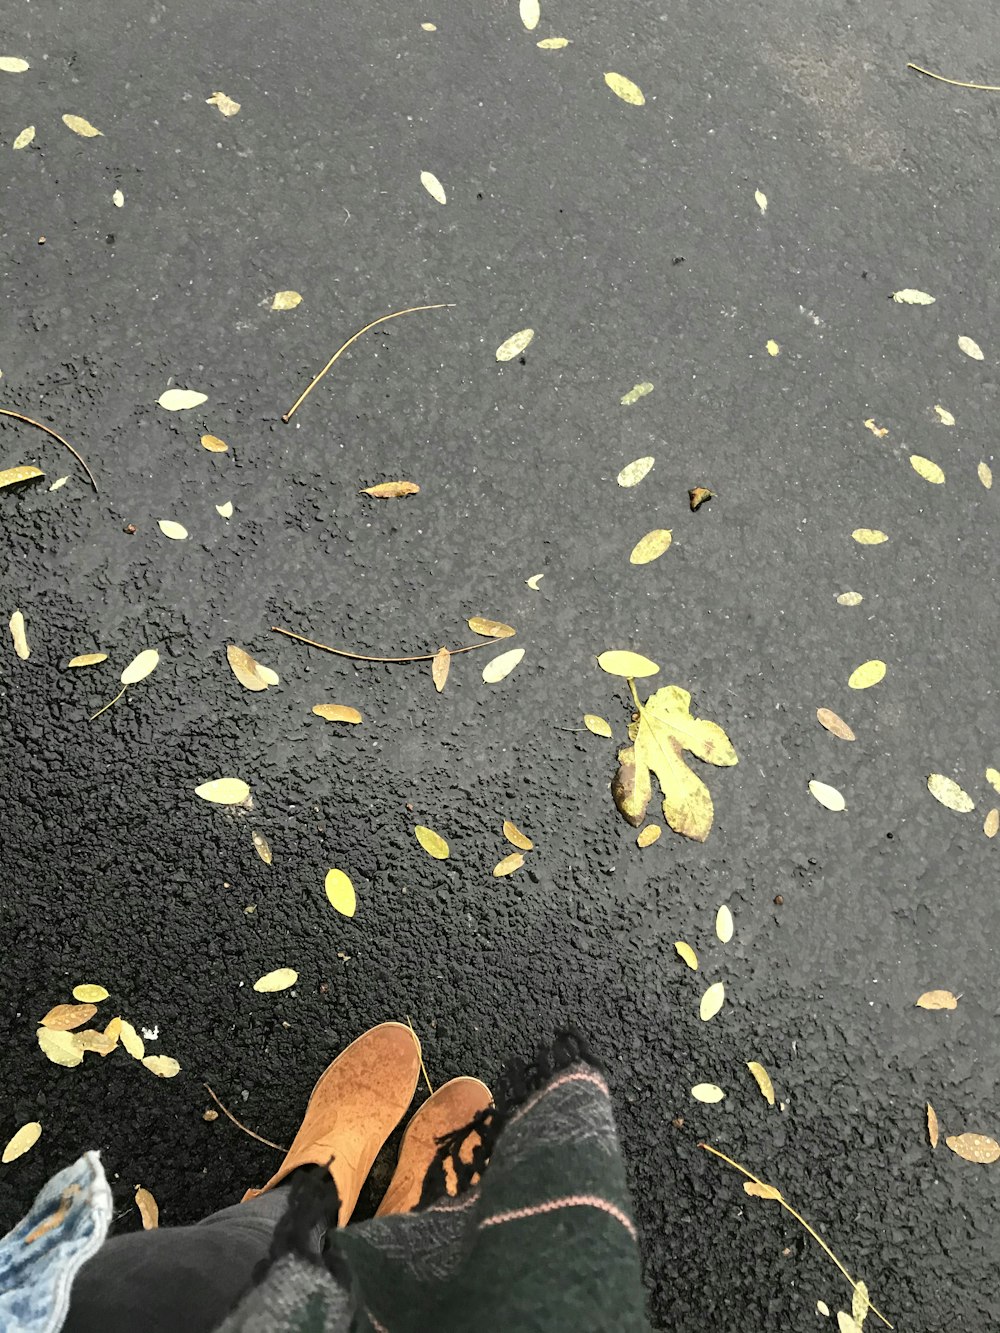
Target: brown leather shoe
[453, 1106]
[354, 1107]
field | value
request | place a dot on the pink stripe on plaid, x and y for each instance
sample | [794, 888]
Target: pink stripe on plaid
[574, 1076]
[570, 1201]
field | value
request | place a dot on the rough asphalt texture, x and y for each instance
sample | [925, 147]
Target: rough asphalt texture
[629, 239]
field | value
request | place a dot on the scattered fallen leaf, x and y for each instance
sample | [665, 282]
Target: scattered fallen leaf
[867, 675]
[985, 473]
[937, 999]
[440, 667]
[87, 659]
[688, 954]
[531, 12]
[163, 1066]
[697, 496]
[181, 400]
[337, 713]
[132, 1042]
[949, 793]
[846, 1323]
[18, 635]
[772, 347]
[391, 490]
[625, 89]
[340, 892]
[597, 725]
[634, 394]
[944, 415]
[499, 667]
[82, 127]
[21, 1142]
[223, 791]
[100, 1042]
[177, 532]
[933, 1130]
[763, 1080]
[24, 138]
[515, 345]
[432, 843]
[280, 979]
[757, 1189]
[712, 1001]
[651, 547]
[225, 104]
[761, 199]
[829, 719]
[13, 65]
[534, 581]
[860, 1303]
[140, 666]
[970, 348]
[648, 835]
[974, 1147]
[148, 1209]
[552, 43]
[286, 300]
[113, 1030]
[514, 835]
[118, 199]
[245, 668]
[827, 796]
[508, 865]
[991, 824]
[880, 432]
[724, 924]
[433, 186]
[849, 599]
[89, 994]
[60, 1047]
[869, 536]
[923, 467]
[910, 296]
[213, 444]
[226, 510]
[993, 778]
[66, 1017]
[492, 629]
[25, 472]
[707, 1092]
[823, 1309]
[634, 472]
[621, 662]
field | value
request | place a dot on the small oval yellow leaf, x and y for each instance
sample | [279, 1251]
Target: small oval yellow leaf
[87, 659]
[867, 674]
[60, 1047]
[498, 667]
[340, 892]
[245, 668]
[433, 186]
[337, 713]
[140, 666]
[970, 348]
[18, 634]
[531, 12]
[648, 835]
[923, 467]
[534, 581]
[226, 510]
[634, 472]
[223, 791]
[985, 474]
[24, 138]
[949, 793]
[993, 778]
[263, 848]
[597, 725]
[66, 1017]
[118, 199]
[707, 1092]
[761, 200]
[763, 1080]
[492, 629]
[25, 472]
[181, 400]
[508, 865]
[849, 599]
[280, 979]
[869, 536]
[286, 300]
[974, 1147]
[148, 1209]
[835, 725]
[634, 394]
[944, 416]
[432, 843]
[13, 65]
[163, 1066]
[724, 924]
[757, 1189]
[827, 796]
[440, 667]
[391, 490]
[651, 547]
[625, 89]
[514, 345]
[514, 835]
[59, 483]
[213, 444]
[688, 954]
[21, 1142]
[622, 662]
[82, 127]
[772, 347]
[132, 1042]
[846, 1323]
[937, 999]
[87, 993]
[177, 532]
[991, 824]
[911, 296]
[552, 43]
[933, 1128]
[712, 1001]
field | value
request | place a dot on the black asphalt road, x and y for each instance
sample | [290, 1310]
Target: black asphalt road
[629, 239]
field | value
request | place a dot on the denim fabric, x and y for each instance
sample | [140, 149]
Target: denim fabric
[39, 1259]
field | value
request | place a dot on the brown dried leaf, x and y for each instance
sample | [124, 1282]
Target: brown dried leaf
[148, 1209]
[440, 668]
[631, 787]
[974, 1147]
[391, 490]
[933, 1131]
[245, 668]
[514, 835]
[937, 999]
[337, 713]
[827, 718]
[648, 835]
[492, 629]
[66, 1017]
[508, 865]
[698, 495]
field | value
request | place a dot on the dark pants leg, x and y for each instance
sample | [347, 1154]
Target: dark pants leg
[180, 1279]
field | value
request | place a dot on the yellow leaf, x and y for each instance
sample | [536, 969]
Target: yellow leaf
[534, 581]
[132, 1042]
[635, 394]
[724, 924]
[492, 629]
[514, 345]
[181, 400]
[631, 787]
[910, 296]
[923, 467]
[140, 666]
[634, 472]
[25, 1138]
[440, 668]
[24, 138]
[60, 1047]
[429, 27]
[433, 186]
[648, 835]
[827, 796]
[508, 865]
[226, 510]
[993, 778]
[225, 104]
[712, 1001]
[499, 667]
[263, 848]
[103, 1043]
[82, 127]
[763, 1080]
[118, 199]
[823, 1309]
[391, 490]
[25, 472]
[772, 347]
[869, 536]
[268, 676]
[597, 725]
[18, 635]
[245, 668]
[552, 43]
[849, 599]
[867, 674]
[707, 1092]
[880, 432]
[846, 1323]
[432, 843]
[859, 1304]
[688, 954]
[834, 724]
[337, 713]
[974, 1147]
[340, 892]
[937, 999]
[944, 415]
[286, 300]
[985, 473]
[163, 1066]
[66, 1017]
[757, 1189]
[531, 12]
[949, 793]
[625, 89]
[933, 1130]
[89, 994]
[761, 200]
[280, 979]
[651, 547]
[177, 532]
[87, 659]
[514, 835]
[113, 1031]
[13, 65]
[213, 444]
[148, 1209]
[991, 824]
[970, 348]
[223, 791]
[621, 662]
